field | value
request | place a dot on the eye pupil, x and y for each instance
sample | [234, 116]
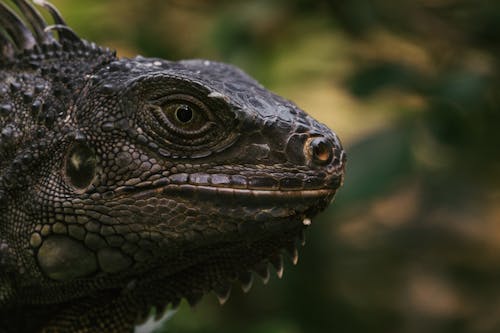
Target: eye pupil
[184, 114]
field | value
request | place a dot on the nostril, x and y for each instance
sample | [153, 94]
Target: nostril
[320, 150]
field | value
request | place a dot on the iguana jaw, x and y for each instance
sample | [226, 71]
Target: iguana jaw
[251, 254]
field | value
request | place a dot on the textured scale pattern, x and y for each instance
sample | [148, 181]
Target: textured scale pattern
[130, 184]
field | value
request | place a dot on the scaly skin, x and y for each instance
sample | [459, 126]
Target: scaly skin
[127, 184]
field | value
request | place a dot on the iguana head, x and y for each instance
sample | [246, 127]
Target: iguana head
[156, 180]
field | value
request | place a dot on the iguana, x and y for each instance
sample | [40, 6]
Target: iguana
[131, 184]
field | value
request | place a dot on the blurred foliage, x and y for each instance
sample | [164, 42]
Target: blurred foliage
[412, 86]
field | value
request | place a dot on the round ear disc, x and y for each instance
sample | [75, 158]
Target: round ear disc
[80, 166]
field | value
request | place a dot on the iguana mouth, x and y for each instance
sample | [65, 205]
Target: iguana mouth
[265, 191]
[250, 195]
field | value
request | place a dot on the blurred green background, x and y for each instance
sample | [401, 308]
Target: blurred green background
[412, 243]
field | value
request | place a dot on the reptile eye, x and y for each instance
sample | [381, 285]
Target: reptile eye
[80, 168]
[184, 114]
[186, 123]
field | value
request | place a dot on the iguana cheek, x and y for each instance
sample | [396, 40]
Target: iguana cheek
[62, 258]
[112, 260]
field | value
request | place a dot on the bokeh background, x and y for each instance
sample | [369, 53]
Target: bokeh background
[412, 87]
